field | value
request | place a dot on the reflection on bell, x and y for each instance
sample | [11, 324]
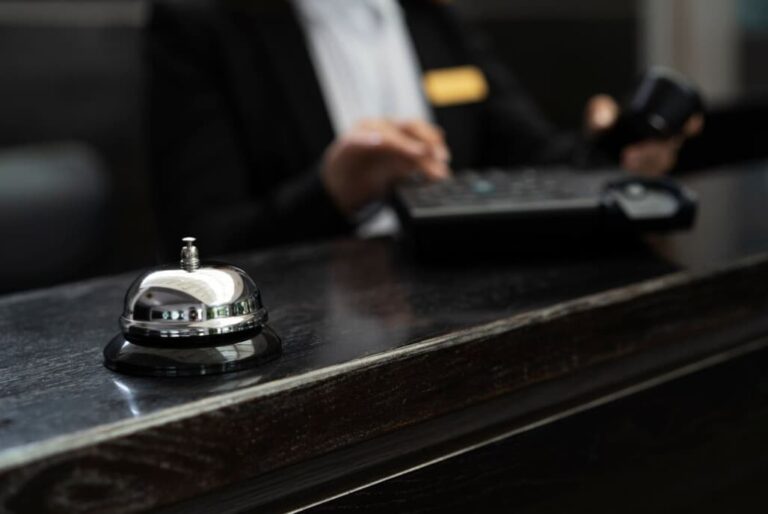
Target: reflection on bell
[192, 319]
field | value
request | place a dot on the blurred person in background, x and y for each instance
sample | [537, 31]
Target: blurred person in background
[277, 121]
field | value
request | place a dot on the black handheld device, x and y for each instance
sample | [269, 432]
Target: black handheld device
[658, 108]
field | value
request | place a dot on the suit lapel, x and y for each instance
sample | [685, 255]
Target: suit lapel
[436, 48]
[280, 33]
[427, 47]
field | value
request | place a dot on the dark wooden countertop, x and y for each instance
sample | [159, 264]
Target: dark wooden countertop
[375, 344]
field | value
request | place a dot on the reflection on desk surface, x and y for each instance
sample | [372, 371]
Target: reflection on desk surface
[732, 222]
[332, 303]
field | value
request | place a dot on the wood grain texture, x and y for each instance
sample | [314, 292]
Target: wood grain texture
[691, 445]
[159, 460]
[375, 344]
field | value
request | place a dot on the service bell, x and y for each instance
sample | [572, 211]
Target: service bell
[191, 319]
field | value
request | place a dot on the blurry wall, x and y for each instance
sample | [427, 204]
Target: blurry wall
[700, 38]
[70, 71]
[753, 19]
[721, 44]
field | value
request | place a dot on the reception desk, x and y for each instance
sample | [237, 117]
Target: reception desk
[627, 378]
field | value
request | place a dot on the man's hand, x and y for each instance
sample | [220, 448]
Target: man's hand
[364, 164]
[652, 157]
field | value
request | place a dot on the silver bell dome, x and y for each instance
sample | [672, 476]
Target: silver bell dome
[193, 318]
[192, 300]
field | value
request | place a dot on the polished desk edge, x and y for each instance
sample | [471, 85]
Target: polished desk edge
[288, 421]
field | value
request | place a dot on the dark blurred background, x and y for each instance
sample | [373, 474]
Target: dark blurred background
[74, 187]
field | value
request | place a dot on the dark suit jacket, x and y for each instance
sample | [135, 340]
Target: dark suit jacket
[238, 124]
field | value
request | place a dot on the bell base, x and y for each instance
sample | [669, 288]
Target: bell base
[123, 356]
